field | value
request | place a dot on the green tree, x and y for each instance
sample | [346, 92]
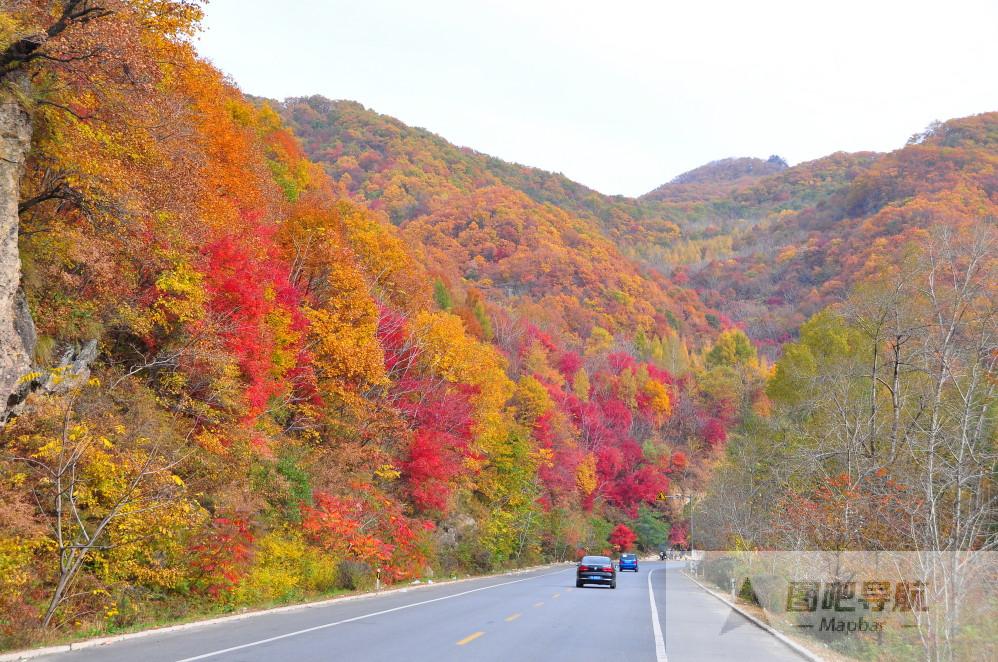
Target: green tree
[732, 348]
[651, 529]
[442, 295]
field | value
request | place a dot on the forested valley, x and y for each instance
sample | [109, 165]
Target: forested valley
[258, 351]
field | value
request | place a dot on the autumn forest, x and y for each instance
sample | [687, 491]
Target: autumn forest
[257, 351]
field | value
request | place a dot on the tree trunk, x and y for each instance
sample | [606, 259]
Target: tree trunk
[17, 332]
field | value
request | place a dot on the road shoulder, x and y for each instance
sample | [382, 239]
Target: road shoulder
[795, 646]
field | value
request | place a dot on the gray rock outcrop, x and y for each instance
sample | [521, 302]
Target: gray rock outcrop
[17, 332]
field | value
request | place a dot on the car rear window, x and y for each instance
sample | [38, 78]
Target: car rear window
[627, 556]
[595, 560]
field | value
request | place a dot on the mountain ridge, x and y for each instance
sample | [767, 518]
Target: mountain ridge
[704, 225]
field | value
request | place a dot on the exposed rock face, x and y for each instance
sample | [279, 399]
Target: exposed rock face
[455, 528]
[73, 370]
[17, 332]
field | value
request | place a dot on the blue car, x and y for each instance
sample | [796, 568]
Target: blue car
[628, 562]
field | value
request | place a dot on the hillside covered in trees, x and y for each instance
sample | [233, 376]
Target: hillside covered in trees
[236, 382]
[258, 351]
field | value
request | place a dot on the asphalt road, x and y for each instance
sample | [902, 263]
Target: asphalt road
[656, 614]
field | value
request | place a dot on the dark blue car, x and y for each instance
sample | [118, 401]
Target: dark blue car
[629, 562]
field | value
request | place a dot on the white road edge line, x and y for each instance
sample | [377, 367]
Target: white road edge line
[656, 627]
[358, 618]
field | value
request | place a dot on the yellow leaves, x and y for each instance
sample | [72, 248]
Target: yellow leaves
[580, 384]
[600, 341]
[177, 480]
[49, 451]
[173, 383]
[182, 297]
[532, 400]
[346, 346]
[387, 472]
[380, 252]
[169, 18]
[536, 362]
[658, 398]
[786, 254]
[762, 406]
[211, 441]
[627, 386]
[732, 348]
[150, 550]
[285, 354]
[457, 357]
[543, 457]
[30, 377]
[77, 432]
[343, 324]
[10, 29]
[16, 556]
[585, 474]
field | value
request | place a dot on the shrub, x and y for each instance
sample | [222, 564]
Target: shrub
[354, 575]
[286, 568]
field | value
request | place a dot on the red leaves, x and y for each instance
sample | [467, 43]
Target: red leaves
[621, 361]
[635, 487]
[622, 538]
[247, 282]
[679, 534]
[393, 335]
[369, 528]
[439, 413]
[223, 555]
[336, 524]
[432, 462]
[714, 432]
[442, 415]
[659, 375]
[607, 428]
[544, 338]
[616, 417]
[845, 512]
[568, 364]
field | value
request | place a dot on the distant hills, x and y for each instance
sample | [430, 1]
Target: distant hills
[720, 176]
[764, 245]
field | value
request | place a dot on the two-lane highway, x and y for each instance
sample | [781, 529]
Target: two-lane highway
[655, 614]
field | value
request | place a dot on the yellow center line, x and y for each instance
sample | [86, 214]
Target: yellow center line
[513, 617]
[471, 637]
[538, 604]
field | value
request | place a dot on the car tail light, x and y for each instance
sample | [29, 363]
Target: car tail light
[607, 568]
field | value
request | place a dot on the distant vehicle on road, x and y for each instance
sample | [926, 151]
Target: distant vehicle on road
[629, 562]
[596, 570]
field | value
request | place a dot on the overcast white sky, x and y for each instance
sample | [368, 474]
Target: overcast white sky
[622, 95]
